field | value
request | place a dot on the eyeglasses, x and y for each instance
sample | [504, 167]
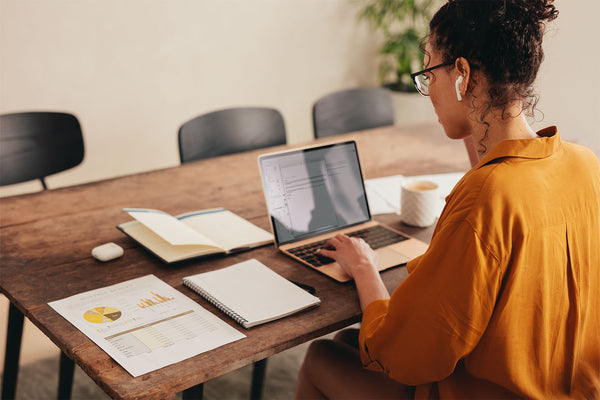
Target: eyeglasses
[421, 80]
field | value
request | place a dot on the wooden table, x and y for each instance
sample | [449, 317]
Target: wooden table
[46, 239]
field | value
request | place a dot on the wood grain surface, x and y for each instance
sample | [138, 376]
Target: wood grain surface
[46, 239]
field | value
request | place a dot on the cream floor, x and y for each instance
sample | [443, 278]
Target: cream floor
[34, 344]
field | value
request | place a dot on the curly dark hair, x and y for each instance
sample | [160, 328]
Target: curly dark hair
[502, 37]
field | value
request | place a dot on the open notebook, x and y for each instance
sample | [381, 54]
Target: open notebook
[251, 293]
[193, 234]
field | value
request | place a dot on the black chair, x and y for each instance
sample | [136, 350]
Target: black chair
[230, 131]
[34, 145]
[352, 110]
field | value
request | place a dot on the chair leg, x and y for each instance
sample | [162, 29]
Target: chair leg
[65, 377]
[258, 379]
[13, 351]
[193, 393]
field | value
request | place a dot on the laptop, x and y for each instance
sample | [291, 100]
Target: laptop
[312, 194]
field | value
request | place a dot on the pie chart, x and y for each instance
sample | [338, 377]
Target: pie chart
[101, 315]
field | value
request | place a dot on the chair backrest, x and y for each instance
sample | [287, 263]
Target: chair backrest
[230, 131]
[34, 145]
[352, 110]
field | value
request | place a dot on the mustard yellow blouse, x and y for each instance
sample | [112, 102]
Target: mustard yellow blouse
[506, 301]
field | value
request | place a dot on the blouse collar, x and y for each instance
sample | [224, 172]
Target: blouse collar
[543, 146]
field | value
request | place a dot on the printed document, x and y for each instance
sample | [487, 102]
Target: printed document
[384, 193]
[145, 324]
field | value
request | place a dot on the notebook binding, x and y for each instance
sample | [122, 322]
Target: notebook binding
[232, 314]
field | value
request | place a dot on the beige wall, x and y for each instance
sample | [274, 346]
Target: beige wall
[569, 82]
[133, 71]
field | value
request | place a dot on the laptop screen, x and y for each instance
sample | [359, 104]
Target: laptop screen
[313, 191]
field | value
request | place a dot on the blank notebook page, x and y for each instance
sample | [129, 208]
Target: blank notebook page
[253, 291]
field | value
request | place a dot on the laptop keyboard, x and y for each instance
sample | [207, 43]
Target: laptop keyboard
[376, 236]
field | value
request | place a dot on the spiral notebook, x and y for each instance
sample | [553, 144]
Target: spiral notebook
[251, 293]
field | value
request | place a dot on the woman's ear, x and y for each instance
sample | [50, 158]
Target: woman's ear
[463, 72]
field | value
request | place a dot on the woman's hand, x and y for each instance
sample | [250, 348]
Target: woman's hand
[353, 254]
[360, 262]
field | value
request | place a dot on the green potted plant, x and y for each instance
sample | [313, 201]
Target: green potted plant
[402, 23]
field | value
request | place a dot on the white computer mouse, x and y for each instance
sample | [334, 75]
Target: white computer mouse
[107, 252]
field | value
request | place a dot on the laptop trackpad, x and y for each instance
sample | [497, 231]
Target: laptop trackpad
[400, 253]
[390, 258]
[410, 248]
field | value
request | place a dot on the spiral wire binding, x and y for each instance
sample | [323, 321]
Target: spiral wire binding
[214, 301]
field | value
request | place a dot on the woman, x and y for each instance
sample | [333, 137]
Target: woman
[505, 303]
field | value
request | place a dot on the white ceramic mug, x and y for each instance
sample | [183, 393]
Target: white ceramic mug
[419, 203]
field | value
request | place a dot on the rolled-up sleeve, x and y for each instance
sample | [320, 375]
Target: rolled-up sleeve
[438, 314]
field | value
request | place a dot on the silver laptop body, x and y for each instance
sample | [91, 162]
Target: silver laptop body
[315, 192]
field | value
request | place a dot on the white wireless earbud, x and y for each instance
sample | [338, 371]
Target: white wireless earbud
[456, 85]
